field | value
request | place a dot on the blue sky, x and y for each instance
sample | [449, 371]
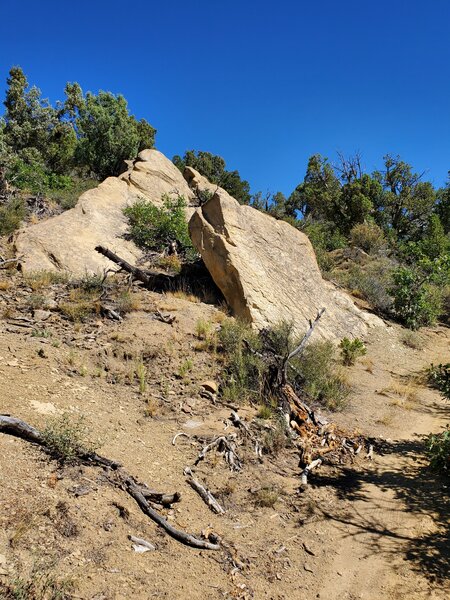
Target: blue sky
[263, 84]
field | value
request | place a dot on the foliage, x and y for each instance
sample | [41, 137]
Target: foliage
[324, 237]
[213, 168]
[244, 370]
[66, 437]
[369, 237]
[351, 350]
[438, 450]
[416, 302]
[107, 133]
[154, 228]
[443, 206]
[439, 378]
[406, 201]
[41, 146]
[371, 282]
[319, 377]
[11, 215]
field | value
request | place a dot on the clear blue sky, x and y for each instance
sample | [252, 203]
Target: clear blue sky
[263, 84]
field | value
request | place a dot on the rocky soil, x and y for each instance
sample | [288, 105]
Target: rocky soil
[371, 529]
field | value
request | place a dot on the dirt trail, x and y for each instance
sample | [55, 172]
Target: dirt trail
[373, 530]
[392, 533]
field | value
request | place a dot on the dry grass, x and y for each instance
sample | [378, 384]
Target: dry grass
[267, 496]
[413, 339]
[151, 407]
[41, 279]
[128, 302]
[170, 263]
[182, 295]
[404, 395]
[385, 419]
[81, 305]
[368, 364]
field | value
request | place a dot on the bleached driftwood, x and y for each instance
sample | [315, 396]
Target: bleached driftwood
[307, 470]
[226, 446]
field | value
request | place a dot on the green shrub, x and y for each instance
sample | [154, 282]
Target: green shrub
[244, 370]
[54, 181]
[439, 378]
[11, 215]
[416, 302]
[369, 237]
[324, 237]
[67, 195]
[371, 282]
[351, 350]
[319, 377]
[438, 450]
[67, 437]
[154, 228]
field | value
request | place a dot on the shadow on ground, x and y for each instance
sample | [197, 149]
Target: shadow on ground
[412, 488]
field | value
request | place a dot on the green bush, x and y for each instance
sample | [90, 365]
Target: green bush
[154, 228]
[67, 437]
[416, 302]
[324, 237]
[351, 350]
[244, 370]
[438, 450]
[318, 376]
[369, 237]
[439, 378]
[371, 282]
[11, 215]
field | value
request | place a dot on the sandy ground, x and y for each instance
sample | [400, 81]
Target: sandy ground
[372, 530]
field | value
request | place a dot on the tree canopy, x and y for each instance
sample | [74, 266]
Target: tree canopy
[213, 168]
[39, 142]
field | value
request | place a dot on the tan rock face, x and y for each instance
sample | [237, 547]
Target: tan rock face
[67, 241]
[267, 270]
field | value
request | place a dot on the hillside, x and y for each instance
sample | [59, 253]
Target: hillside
[369, 529]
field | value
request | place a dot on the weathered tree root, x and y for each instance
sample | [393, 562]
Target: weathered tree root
[118, 477]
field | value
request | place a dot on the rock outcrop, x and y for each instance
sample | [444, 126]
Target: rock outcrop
[67, 241]
[267, 269]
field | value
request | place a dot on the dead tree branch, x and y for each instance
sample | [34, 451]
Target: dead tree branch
[302, 344]
[225, 445]
[117, 476]
[152, 280]
[203, 492]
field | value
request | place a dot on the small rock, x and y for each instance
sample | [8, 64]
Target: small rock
[308, 568]
[210, 386]
[42, 315]
[2, 560]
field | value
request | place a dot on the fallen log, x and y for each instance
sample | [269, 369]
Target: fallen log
[151, 279]
[116, 476]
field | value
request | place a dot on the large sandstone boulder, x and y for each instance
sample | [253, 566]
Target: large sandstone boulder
[67, 241]
[267, 269]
